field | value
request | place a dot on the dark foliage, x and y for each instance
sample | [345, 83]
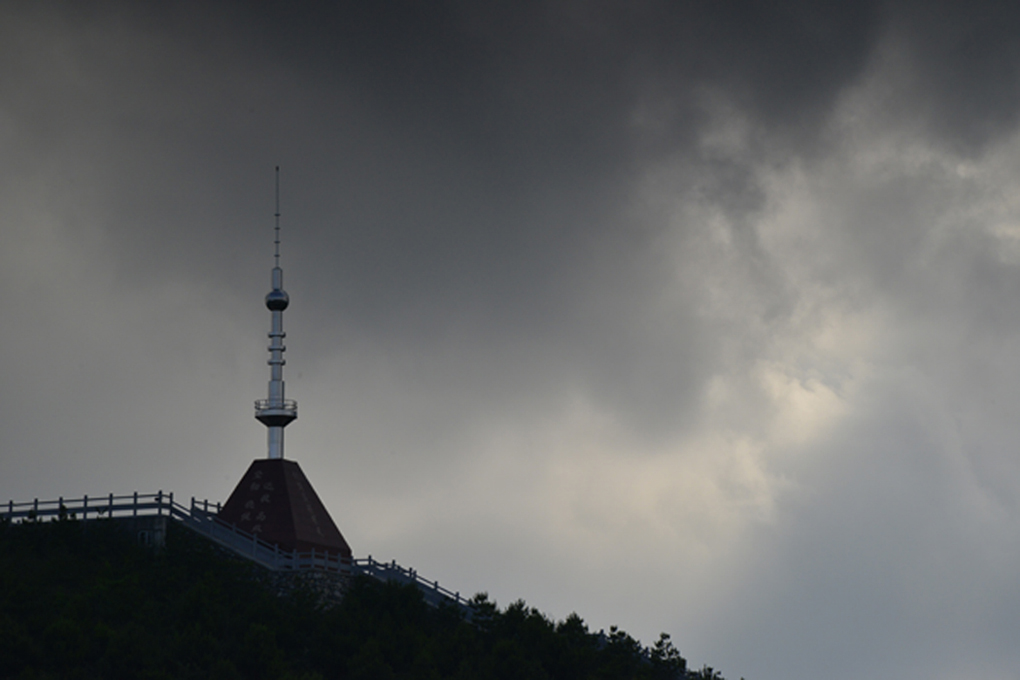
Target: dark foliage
[89, 603]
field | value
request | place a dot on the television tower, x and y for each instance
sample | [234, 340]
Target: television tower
[274, 499]
[276, 412]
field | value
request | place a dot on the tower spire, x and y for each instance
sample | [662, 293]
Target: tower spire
[276, 242]
[276, 412]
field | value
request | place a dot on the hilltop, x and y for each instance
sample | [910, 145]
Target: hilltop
[90, 603]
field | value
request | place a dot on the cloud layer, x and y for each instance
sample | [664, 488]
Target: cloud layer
[695, 318]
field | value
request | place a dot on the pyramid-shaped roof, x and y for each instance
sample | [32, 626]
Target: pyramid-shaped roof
[275, 501]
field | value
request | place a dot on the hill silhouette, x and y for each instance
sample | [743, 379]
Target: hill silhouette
[79, 602]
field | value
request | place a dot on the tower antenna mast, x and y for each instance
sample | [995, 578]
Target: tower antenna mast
[276, 412]
[276, 254]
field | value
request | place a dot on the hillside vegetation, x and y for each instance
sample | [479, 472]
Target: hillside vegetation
[90, 603]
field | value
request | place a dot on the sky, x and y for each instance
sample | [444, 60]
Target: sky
[697, 317]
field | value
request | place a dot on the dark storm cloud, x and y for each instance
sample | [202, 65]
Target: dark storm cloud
[457, 148]
[506, 130]
[530, 108]
[965, 61]
[500, 146]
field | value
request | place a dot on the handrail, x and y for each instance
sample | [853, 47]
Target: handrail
[275, 405]
[202, 517]
[99, 506]
[254, 548]
[391, 571]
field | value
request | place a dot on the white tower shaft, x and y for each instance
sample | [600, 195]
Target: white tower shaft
[276, 412]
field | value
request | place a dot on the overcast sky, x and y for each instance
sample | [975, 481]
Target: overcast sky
[697, 317]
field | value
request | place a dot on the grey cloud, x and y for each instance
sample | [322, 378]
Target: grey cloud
[534, 249]
[966, 62]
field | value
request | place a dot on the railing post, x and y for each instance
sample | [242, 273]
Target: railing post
[110, 511]
[84, 510]
[134, 505]
[159, 502]
[170, 512]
